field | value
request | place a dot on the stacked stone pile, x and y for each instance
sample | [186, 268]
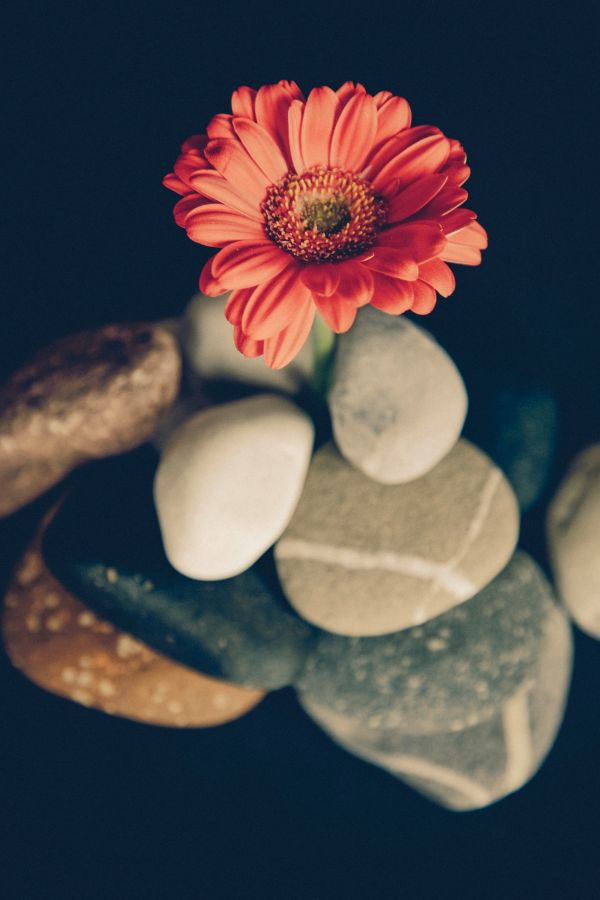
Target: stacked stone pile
[376, 572]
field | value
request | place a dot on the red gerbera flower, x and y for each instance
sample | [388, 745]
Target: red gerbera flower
[325, 204]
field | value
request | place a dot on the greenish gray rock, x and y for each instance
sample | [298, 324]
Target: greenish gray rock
[465, 708]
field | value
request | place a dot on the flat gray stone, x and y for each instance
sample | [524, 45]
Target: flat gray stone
[574, 540]
[362, 558]
[397, 401]
[465, 723]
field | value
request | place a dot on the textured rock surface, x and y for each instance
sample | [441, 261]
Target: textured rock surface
[228, 482]
[471, 714]
[361, 558]
[574, 540]
[58, 643]
[84, 397]
[209, 352]
[397, 400]
[105, 545]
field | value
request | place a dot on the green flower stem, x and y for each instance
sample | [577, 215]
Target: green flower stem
[324, 347]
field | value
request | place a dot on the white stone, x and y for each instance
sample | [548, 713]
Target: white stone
[209, 352]
[228, 483]
[574, 540]
[397, 401]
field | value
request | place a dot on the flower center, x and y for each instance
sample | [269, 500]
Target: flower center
[323, 215]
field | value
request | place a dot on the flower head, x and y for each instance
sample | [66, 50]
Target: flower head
[326, 203]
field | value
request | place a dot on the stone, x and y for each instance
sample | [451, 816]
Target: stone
[209, 352]
[397, 401]
[573, 529]
[87, 396]
[105, 546]
[464, 708]
[59, 644]
[362, 558]
[228, 482]
[518, 426]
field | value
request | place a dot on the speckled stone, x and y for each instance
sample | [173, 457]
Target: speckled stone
[228, 482]
[105, 546]
[209, 352]
[465, 708]
[58, 643]
[87, 396]
[574, 540]
[397, 400]
[362, 558]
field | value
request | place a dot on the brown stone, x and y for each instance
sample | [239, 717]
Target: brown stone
[87, 396]
[64, 648]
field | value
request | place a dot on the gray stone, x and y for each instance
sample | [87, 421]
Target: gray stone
[397, 400]
[228, 483]
[466, 710]
[209, 352]
[574, 540]
[87, 396]
[362, 558]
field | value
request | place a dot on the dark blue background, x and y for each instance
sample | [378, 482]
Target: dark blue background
[101, 96]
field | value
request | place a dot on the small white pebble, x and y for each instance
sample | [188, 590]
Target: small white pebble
[127, 646]
[86, 619]
[435, 644]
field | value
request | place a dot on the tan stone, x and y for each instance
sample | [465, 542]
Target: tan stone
[87, 396]
[64, 648]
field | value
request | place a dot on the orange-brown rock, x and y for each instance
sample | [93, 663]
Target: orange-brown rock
[87, 396]
[64, 648]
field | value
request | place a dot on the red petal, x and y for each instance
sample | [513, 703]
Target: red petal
[319, 117]
[457, 175]
[215, 225]
[173, 183]
[394, 146]
[354, 133]
[195, 143]
[212, 185]
[242, 102]
[392, 116]
[457, 220]
[274, 304]
[349, 90]
[185, 206]
[338, 314]
[262, 148]
[414, 197]
[382, 97]
[473, 236]
[210, 285]
[231, 160]
[248, 263]
[220, 126]
[234, 308]
[447, 200]
[419, 240]
[461, 253]
[438, 275]
[391, 295]
[295, 114]
[424, 299]
[271, 107]
[355, 283]
[321, 279]
[423, 158]
[389, 261]
[281, 349]
[247, 345]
